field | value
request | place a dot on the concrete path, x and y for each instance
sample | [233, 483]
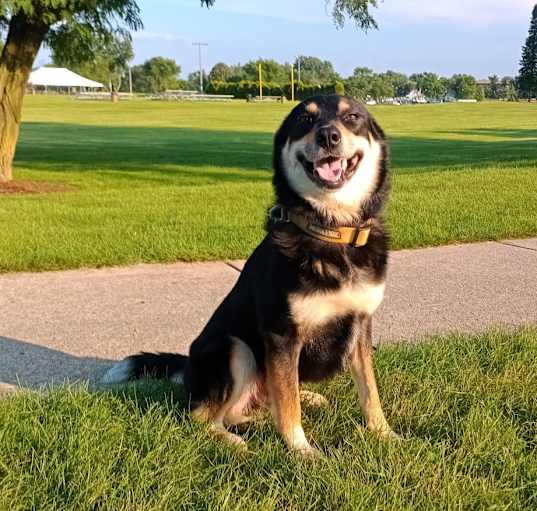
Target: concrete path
[70, 325]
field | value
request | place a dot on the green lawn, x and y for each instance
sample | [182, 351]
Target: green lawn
[466, 407]
[164, 181]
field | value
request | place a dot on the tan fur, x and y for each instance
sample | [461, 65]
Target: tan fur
[316, 309]
[244, 375]
[312, 108]
[282, 383]
[343, 106]
[361, 367]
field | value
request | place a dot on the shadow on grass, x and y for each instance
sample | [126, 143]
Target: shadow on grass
[522, 134]
[188, 155]
[30, 365]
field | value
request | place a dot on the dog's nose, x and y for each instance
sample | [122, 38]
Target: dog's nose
[328, 137]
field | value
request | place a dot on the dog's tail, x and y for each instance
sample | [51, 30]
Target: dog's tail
[169, 366]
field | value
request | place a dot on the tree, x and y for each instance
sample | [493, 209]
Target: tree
[28, 23]
[102, 57]
[399, 81]
[314, 71]
[155, 75]
[339, 88]
[380, 88]
[527, 79]
[430, 85]
[220, 72]
[509, 89]
[193, 80]
[358, 85]
[464, 86]
[272, 71]
[494, 88]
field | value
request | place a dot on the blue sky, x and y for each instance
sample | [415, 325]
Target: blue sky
[480, 37]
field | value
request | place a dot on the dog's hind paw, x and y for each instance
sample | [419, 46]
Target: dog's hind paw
[312, 399]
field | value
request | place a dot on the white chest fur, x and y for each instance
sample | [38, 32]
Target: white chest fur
[316, 309]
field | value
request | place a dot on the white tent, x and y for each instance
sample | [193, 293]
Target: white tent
[60, 77]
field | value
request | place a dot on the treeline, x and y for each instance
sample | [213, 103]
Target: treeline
[110, 57]
[315, 76]
[318, 76]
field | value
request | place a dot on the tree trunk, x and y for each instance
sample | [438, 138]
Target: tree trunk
[22, 44]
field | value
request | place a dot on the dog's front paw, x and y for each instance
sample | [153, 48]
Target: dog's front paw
[389, 434]
[382, 429]
[308, 452]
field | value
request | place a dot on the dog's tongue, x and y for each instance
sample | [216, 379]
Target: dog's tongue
[330, 170]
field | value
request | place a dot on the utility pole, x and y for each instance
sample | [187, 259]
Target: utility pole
[199, 45]
[130, 80]
[292, 83]
[260, 82]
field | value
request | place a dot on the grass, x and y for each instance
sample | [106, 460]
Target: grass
[466, 406]
[159, 181]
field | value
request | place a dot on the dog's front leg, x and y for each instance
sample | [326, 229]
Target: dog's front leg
[282, 384]
[363, 374]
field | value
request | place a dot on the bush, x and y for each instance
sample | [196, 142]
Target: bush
[248, 87]
[339, 88]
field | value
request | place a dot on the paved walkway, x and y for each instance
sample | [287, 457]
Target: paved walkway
[72, 324]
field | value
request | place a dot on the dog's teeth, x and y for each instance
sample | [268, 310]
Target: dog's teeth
[344, 164]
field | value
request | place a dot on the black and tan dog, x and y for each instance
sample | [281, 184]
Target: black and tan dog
[301, 310]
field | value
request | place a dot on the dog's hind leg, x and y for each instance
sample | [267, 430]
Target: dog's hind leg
[243, 371]
[363, 374]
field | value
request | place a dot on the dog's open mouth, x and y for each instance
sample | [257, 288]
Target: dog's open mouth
[331, 172]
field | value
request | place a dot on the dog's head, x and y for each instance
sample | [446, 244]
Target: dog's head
[330, 153]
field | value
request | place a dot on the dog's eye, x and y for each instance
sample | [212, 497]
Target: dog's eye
[351, 118]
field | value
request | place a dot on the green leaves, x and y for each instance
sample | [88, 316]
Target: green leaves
[102, 56]
[527, 81]
[102, 14]
[357, 10]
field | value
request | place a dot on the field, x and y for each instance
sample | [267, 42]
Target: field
[466, 407]
[155, 181]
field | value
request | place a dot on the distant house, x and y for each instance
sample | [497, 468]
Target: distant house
[416, 96]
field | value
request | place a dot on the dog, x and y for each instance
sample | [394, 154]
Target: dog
[301, 310]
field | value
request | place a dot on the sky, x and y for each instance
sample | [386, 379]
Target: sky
[480, 37]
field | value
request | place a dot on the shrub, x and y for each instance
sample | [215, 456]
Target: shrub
[248, 87]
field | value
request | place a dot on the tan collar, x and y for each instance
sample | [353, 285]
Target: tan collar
[355, 236]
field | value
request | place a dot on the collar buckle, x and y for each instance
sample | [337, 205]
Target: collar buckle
[278, 214]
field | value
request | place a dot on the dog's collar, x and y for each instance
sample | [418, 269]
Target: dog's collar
[355, 236]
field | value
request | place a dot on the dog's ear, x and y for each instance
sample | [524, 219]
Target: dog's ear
[375, 129]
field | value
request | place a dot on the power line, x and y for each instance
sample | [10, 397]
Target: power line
[199, 45]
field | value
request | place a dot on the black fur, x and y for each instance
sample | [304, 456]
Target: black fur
[288, 262]
[156, 365]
